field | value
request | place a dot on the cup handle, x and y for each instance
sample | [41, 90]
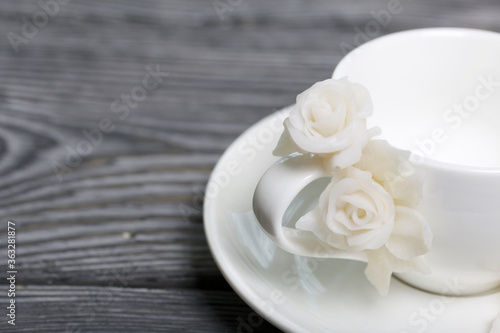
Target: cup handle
[275, 191]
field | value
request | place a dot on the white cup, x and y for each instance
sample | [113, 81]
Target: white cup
[436, 93]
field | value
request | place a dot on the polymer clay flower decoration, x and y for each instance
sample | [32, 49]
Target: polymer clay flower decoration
[368, 209]
[329, 120]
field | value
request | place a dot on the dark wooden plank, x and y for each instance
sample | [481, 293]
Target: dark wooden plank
[119, 308]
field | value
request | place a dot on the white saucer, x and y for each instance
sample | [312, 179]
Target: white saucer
[301, 294]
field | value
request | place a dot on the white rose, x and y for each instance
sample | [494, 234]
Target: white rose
[358, 215]
[329, 120]
[391, 168]
[355, 212]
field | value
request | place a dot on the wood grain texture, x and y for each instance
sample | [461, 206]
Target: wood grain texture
[116, 243]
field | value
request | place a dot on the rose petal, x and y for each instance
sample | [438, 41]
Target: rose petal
[418, 264]
[359, 199]
[317, 145]
[380, 158]
[411, 236]
[379, 271]
[363, 100]
[352, 154]
[330, 124]
[351, 222]
[382, 263]
[285, 145]
[381, 201]
[333, 192]
[357, 202]
[359, 216]
[312, 221]
[363, 217]
[391, 168]
[342, 223]
[372, 239]
[320, 109]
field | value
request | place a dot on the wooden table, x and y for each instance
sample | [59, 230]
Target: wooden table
[112, 116]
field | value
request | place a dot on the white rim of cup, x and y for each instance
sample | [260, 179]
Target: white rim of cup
[438, 31]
